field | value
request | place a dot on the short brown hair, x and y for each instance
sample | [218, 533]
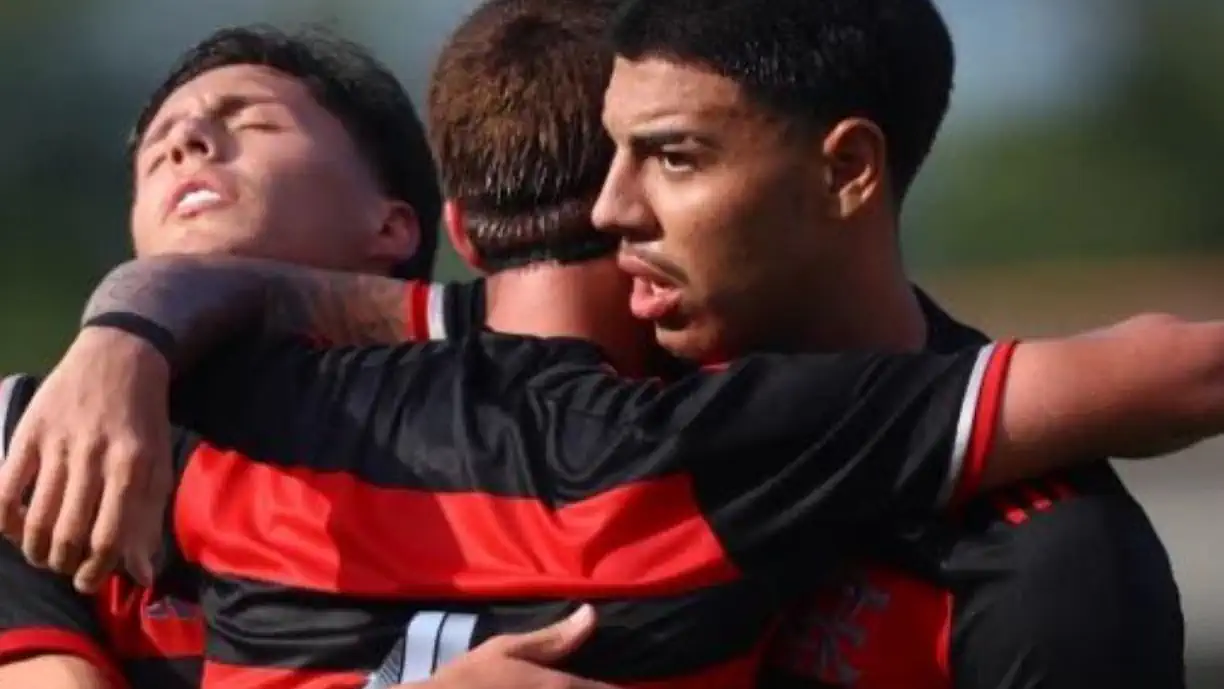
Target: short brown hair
[515, 106]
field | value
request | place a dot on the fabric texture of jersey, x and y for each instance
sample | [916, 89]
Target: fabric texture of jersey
[1057, 583]
[498, 480]
[137, 637]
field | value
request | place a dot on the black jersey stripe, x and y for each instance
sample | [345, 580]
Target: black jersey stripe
[261, 624]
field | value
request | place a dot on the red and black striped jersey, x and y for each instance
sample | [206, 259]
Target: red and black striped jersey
[1060, 583]
[138, 637]
[442, 493]
[153, 637]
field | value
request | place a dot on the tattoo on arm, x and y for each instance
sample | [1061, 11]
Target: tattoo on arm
[204, 300]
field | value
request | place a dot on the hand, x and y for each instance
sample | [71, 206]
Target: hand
[95, 443]
[520, 661]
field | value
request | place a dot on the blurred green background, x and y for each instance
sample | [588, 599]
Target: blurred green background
[1075, 181]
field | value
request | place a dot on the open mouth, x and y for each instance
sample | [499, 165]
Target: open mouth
[655, 295]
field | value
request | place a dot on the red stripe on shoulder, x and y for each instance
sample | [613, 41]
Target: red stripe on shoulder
[20, 644]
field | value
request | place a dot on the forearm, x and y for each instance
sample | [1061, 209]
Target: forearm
[1144, 388]
[205, 300]
[53, 672]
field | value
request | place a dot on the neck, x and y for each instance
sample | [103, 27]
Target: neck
[588, 300]
[872, 306]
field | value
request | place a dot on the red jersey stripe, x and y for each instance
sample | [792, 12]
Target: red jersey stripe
[31, 641]
[328, 531]
[223, 676]
[124, 611]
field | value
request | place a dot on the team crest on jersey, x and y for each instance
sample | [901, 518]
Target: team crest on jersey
[873, 628]
[812, 643]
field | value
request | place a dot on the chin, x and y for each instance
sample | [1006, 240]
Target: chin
[693, 344]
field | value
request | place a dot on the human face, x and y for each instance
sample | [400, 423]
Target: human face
[243, 160]
[722, 209]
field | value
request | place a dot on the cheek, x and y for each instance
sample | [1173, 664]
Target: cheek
[145, 216]
[303, 188]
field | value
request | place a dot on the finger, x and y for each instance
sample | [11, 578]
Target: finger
[70, 539]
[104, 548]
[554, 642]
[17, 472]
[147, 529]
[43, 511]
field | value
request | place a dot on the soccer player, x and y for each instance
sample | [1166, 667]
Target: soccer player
[763, 153]
[965, 600]
[327, 166]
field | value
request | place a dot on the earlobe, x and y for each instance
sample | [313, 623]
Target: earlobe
[456, 231]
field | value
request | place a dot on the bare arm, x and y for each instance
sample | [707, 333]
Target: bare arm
[53, 672]
[203, 300]
[1145, 387]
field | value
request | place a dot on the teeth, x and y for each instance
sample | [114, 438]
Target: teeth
[197, 198]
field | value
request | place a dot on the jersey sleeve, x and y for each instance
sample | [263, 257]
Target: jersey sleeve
[1086, 597]
[40, 612]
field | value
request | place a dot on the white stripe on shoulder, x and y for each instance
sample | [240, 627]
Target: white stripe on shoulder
[7, 387]
[965, 423]
[435, 310]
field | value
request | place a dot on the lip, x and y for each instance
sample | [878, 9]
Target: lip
[639, 267]
[194, 184]
[656, 295]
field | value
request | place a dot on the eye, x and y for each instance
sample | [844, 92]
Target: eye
[675, 161]
[257, 124]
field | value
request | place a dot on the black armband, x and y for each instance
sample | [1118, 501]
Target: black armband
[160, 338]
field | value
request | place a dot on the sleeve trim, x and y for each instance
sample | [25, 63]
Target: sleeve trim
[976, 425]
[435, 323]
[416, 308]
[30, 642]
[8, 388]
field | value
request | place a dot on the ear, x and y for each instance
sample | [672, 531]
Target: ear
[456, 231]
[856, 166]
[399, 233]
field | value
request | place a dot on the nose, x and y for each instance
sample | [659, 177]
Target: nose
[194, 141]
[622, 208]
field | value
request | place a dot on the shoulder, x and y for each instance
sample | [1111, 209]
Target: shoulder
[1068, 578]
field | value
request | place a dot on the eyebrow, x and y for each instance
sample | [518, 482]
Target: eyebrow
[660, 138]
[222, 107]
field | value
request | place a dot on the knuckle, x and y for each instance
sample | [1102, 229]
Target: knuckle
[104, 549]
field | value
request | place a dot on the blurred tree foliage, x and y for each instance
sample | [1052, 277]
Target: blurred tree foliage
[1132, 172]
